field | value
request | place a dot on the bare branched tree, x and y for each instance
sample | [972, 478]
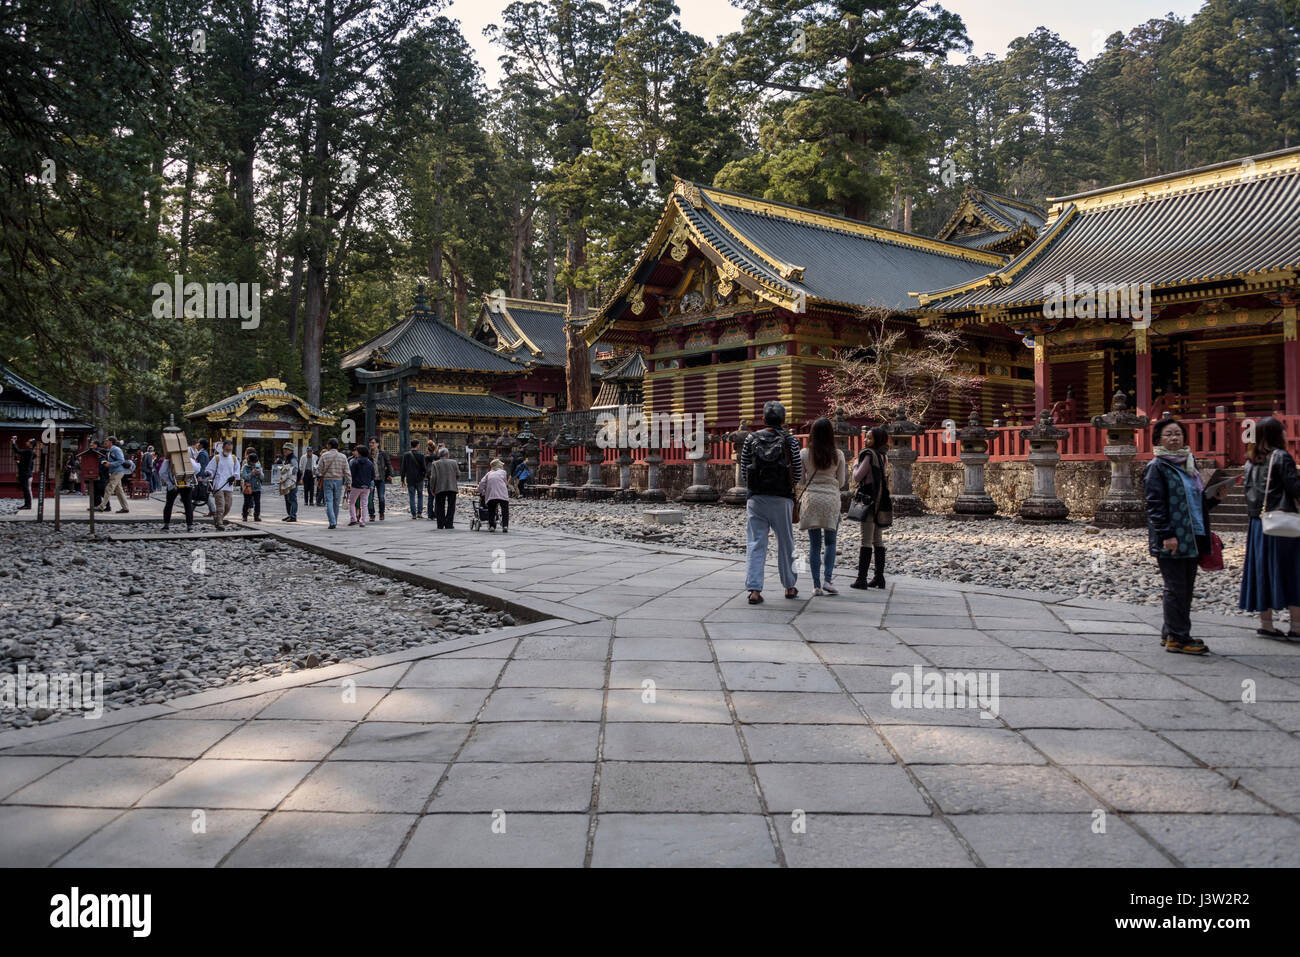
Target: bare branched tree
[886, 373]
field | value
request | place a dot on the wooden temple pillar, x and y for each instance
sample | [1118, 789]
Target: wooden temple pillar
[370, 411]
[1142, 355]
[1042, 375]
[1290, 359]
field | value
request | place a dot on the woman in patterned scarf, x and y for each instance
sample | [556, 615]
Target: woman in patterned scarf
[1178, 527]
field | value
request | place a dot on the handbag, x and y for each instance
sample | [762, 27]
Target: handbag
[885, 511]
[864, 501]
[1212, 561]
[1277, 522]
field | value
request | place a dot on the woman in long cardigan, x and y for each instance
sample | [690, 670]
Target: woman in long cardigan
[1178, 529]
[870, 474]
[824, 474]
[1271, 577]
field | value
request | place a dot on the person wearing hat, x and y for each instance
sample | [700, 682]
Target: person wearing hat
[770, 467]
[493, 490]
[288, 483]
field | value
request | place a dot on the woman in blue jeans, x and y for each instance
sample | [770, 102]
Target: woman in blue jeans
[824, 473]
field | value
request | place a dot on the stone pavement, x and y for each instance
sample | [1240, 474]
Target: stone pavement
[647, 715]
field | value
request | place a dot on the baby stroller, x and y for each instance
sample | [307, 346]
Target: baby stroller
[480, 516]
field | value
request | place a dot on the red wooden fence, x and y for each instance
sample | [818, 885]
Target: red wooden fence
[1215, 441]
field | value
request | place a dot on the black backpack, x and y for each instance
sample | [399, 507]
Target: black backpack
[769, 467]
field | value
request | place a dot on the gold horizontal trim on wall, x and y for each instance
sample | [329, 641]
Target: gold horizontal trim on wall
[1213, 345]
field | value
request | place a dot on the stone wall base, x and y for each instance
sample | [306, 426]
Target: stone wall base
[1081, 485]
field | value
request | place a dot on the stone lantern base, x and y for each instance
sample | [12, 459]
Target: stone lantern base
[737, 495]
[1121, 515]
[907, 505]
[974, 506]
[700, 493]
[653, 495]
[1045, 510]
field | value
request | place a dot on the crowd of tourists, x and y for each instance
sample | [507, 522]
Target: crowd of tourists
[786, 486]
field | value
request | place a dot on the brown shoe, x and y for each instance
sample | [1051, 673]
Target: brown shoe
[1192, 646]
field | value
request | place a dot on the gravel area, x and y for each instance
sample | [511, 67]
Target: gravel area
[1073, 558]
[141, 616]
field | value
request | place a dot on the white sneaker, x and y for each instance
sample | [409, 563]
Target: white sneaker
[817, 591]
[830, 589]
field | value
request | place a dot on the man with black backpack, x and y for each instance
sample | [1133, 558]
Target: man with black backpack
[770, 467]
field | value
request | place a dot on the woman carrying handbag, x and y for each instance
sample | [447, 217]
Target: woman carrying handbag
[825, 473]
[1271, 577]
[871, 506]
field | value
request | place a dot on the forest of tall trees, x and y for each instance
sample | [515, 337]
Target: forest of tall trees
[338, 152]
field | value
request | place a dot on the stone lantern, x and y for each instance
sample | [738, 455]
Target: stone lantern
[653, 493]
[503, 446]
[700, 490]
[482, 457]
[561, 445]
[1121, 508]
[974, 501]
[625, 491]
[901, 456]
[738, 494]
[1044, 439]
[594, 458]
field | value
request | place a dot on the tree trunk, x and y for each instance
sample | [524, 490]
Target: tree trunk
[577, 359]
[315, 307]
[550, 255]
[461, 293]
[437, 282]
[187, 209]
[299, 231]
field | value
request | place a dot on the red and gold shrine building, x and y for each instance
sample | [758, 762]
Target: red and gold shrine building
[1218, 247]
[736, 301]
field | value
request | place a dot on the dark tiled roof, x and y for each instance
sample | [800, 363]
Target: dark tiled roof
[525, 325]
[794, 257]
[467, 405]
[1175, 230]
[1010, 212]
[631, 366]
[441, 346]
[841, 264]
[23, 402]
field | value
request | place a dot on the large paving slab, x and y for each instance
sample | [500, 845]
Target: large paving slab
[643, 714]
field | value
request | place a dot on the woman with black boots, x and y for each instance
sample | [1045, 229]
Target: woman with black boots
[873, 489]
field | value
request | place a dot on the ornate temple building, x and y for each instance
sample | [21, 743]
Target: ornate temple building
[736, 300]
[1212, 258]
[264, 415]
[992, 222]
[530, 331]
[451, 392]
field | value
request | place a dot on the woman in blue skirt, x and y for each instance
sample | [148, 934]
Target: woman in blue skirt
[1271, 578]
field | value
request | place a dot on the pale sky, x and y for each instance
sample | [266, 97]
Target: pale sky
[991, 24]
